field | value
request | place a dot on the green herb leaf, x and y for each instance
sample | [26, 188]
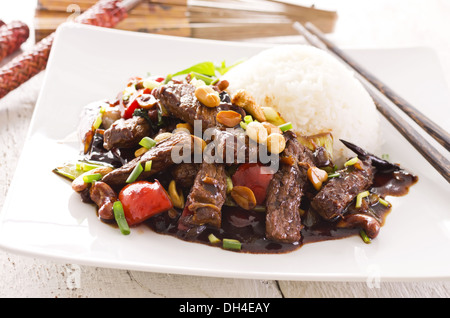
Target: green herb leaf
[205, 68]
[223, 69]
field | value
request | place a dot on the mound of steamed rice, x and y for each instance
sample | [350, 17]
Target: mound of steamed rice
[314, 91]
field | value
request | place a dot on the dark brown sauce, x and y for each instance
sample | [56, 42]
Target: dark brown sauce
[248, 227]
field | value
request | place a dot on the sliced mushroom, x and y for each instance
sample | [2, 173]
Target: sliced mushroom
[104, 196]
[368, 223]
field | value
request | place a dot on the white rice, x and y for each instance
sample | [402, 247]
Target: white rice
[314, 91]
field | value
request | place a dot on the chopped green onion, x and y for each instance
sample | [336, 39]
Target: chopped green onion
[364, 236]
[383, 202]
[102, 110]
[119, 215]
[69, 171]
[259, 208]
[248, 119]
[148, 166]
[151, 83]
[206, 79]
[231, 244]
[334, 175]
[243, 125]
[135, 173]
[84, 166]
[92, 177]
[359, 198]
[351, 162]
[285, 127]
[385, 156]
[168, 78]
[213, 239]
[97, 122]
[147, 142]
[229, 184]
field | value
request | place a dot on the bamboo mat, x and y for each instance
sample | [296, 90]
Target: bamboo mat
[213, 19]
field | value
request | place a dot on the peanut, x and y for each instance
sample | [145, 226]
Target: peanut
[271, 128]
[317, 176]
[176, 195]
[276, 143]
[162, 136]
[244, 197]
[140, 151]
[207, 96]
[229, 118]
[257, 132]
[243, 99]
[186, 126]
[79, 185]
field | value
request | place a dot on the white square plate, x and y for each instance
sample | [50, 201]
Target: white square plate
[43, 217]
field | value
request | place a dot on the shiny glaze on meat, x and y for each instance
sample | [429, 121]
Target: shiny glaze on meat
[249, 226]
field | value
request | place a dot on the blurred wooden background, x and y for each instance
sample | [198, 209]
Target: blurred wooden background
[213, 19]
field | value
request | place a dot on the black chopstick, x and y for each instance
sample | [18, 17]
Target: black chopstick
[430, 153]
[434, 130]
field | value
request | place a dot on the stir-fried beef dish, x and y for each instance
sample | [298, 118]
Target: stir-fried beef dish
[190, 159]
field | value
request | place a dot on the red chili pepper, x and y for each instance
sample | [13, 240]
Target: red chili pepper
[130, 108]
[143, 199]
[159, 79]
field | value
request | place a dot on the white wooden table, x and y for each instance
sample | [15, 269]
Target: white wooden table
[374, 24]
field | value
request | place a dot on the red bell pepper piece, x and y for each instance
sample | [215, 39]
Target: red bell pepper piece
[143, 199]
[130, 108]
[255, 176]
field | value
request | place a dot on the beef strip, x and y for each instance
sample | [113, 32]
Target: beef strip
[207, 196]
[337, 193]
[180, 101]
[160, 155]
[283, 223]
[230, 147]
[184, 174]
[126, 133]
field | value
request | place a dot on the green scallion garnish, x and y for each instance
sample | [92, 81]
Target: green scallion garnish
[119, 215]
[243, 125]
[231, 244]
[85, 166]
[351, 162]
[365, 237]
[248, 119]
[97, 122]
[92, 177]
[229, 184]
[147, 142]
[383, 202]
[285, 127]
[334, 175]
[359, 198]
[135, 173]
[148, 166]
[213, 239]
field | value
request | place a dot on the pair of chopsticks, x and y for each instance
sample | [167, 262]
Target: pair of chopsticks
[379, 92]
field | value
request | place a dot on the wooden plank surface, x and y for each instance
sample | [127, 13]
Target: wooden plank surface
[214, 19]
